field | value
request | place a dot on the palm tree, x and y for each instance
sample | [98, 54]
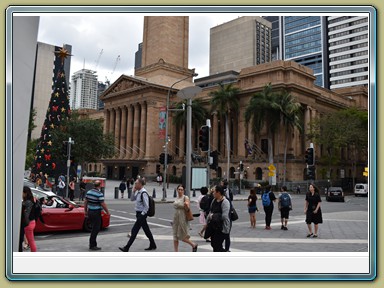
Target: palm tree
[226, 103]
[290, 111]
[199, 114]
[261, 111]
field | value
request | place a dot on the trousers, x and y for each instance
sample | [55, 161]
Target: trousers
[141, 222]
[94, 217]
[28, 230]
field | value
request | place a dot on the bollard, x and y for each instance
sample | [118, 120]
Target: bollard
[154, 193]
[174, 193]
[116, 192]
[194, 193]
[129, 193]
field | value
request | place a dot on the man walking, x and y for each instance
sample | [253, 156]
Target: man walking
[141, 207]
[93, 205]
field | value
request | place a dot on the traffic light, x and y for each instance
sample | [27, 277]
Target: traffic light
[204, 138]
[169, 158]
[310, 156]
[215, 160]
[311, 173]
[241, 166]
[162, 158]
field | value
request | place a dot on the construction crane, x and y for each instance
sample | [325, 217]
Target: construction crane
[117, 61]
[114, 68]
[98, 59]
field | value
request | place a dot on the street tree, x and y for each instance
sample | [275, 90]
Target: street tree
[225, 102]
[347, 128]
[262, 111]
[90, 144]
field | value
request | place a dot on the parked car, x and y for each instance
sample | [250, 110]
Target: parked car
[361, 189]
[335, 193]
[64, 215]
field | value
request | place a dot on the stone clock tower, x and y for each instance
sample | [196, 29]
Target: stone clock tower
[165, 49]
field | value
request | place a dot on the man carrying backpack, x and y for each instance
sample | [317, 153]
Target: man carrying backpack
[267, 198]
[142, 207]
[285, 205]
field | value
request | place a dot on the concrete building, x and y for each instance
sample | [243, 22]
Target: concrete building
[348, 51]
[84, 87]
[43, 81]
[133, 107]
[240, 43]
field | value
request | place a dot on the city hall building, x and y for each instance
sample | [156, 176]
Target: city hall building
[134, 112]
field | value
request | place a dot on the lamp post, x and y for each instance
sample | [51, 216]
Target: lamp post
[166, 135]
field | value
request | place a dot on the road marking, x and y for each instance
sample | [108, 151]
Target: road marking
[133, 220]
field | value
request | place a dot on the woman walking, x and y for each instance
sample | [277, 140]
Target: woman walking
[28, 215]
[252, 208]
[312, 210]
[180, 223]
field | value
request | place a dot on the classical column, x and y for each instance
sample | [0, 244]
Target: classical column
[106, 121]
[182, 145]
[111, 120]
[123, 132]
[136, 130]
[307, 118]
[117, 129]
[129, 132]
[143, 130]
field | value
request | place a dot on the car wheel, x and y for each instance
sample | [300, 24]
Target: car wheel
[87, 225]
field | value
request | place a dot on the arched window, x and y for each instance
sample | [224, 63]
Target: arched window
[259, 173]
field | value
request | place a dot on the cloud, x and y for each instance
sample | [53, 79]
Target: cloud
[119, 34]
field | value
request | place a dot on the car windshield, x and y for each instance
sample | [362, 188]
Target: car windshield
[359, 187]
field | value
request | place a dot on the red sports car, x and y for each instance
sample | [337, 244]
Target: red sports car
[63, 215]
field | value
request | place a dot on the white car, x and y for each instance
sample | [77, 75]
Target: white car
[361, 189]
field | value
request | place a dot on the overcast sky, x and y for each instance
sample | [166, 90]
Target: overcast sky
[120, 34]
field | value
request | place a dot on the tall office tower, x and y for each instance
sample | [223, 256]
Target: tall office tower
[304, 41]
[348, 51]
[240, 43]
[275, 38]
[84, 90]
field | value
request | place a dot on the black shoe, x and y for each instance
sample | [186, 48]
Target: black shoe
[123, 249]
[282, 227]
[150, 248]
[285, 228]
[94, 248]
[194, 249]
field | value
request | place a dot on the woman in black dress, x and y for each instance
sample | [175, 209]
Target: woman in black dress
[312, 210]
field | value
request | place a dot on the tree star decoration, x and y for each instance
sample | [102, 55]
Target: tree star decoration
[62, 53]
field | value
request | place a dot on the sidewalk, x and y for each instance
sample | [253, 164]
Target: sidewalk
[156, 192]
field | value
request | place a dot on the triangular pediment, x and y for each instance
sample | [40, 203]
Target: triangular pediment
[128, 84]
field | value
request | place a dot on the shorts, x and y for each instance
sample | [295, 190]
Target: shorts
[252, 209]
[284, 212]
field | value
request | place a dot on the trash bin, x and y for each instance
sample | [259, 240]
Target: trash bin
[116, 192]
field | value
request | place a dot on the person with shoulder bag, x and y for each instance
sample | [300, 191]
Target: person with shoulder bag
[218, 221]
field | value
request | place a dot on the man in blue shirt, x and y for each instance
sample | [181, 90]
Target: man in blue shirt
[141, 207]
[93, 205]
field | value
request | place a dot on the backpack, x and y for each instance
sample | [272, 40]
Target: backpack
[205, 203]
[265, 199]
[151, 202]
[285, 200]
[36, 211]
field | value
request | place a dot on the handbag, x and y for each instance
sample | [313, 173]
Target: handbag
[233, 214]
[188, 213]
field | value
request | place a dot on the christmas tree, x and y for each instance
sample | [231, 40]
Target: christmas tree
[58, 111]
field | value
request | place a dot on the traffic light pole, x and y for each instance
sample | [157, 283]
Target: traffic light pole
[166, 136]
[208, 123]
[68, 163]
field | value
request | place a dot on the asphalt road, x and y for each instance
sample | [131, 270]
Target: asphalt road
[345, 229]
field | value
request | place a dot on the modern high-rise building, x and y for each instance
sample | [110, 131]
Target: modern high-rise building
[84, 90]
[348, 51]
[335, 48]
[240, 43]
[43, 80]
[304, 42]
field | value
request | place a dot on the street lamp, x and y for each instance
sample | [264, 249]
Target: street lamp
[166, 135]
